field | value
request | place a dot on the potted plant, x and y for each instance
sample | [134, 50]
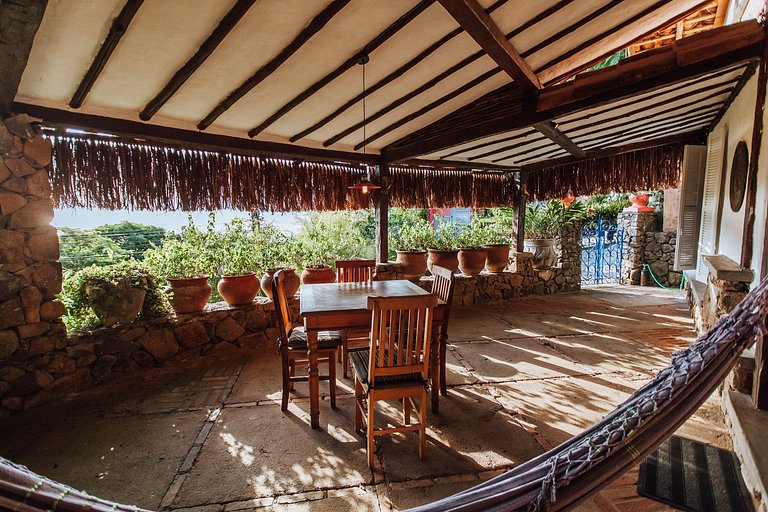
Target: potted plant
[543, 221]
[495, 236]
[410, 244]
[181, 262]
[291, 280]
[238, 285]
[442, 249]
[471, 253]
[318, 269]
[117, 293]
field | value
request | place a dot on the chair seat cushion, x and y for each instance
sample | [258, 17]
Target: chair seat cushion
[325, 339]
[360, 360]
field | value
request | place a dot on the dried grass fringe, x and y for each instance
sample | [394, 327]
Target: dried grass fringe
[646, 169]
[116, 174]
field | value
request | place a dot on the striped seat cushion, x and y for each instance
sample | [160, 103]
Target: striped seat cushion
[325, 339]
[360, 361]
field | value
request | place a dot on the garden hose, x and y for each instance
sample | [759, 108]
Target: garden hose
[682, 282]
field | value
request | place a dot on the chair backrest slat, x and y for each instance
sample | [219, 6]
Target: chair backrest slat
[283, 316]
[442, 286]
[355, 271]
[401, 330]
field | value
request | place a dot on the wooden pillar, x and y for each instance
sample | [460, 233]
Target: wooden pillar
[381, 207]
[760, 383]
[521, 212]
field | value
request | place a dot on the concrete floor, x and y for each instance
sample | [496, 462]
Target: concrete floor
[207, 434]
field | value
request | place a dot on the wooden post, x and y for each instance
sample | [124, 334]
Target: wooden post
[521, 212]
[381, 205]
[760, 382]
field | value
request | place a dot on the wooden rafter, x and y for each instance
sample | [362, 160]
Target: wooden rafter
[442, 76]
[697, 136]
[116, 32]
[479, 25]
[19, 21]
[485, 144]
[511, 147]
[317, 23]
[689, 58]
[346, 65]
[200, 140]
[389, 78]
[224, 27]
[748, 73]
[549, 129]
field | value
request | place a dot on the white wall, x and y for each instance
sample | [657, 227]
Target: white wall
[736, 126]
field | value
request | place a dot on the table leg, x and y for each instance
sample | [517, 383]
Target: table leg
[314, 379]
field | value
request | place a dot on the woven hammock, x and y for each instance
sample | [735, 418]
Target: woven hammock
[556, 480]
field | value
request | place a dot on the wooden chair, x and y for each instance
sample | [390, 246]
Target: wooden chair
[396, 366]
[442, 286]
[293, 345]
[354, 271]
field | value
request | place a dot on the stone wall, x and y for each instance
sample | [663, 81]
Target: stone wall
[644, 245]
[32, 377]
[522, 281]
[30, 274]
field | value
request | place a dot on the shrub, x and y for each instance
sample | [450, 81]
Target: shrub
[79, 313]
[413, 236]
[544, 220]
[82, 248]
[327, 236]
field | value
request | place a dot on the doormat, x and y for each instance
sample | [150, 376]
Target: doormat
[694, 476]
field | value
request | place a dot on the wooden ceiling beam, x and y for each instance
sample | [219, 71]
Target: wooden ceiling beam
[19, 21]
[445, 74]
[478, 24]
[694, 137]
[511, 147]
[345, 66]
[604, 54]
[389, 78]
[317, 23]
[189, 138]
[225, 26]
[686, 59]
[489, 143]
[116, 32]
[549, 129]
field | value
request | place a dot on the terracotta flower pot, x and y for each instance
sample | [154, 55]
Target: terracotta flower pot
[640, 203]
[189, 295]
[414, 263]
[447, 259]
[543, 249]
[498, 257]
[115, 303]
[290, 281]
[472, 261]
[318, 275]
[238, 290]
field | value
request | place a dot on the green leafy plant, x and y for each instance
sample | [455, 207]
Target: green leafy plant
[470, 236]
[544, 220]
[414, 236]
[606, 206]
[328, 236]
[133, 238]
[82, 248]
[445, 236]
[104, 280]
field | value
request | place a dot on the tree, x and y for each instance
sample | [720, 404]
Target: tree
[134, 238]
[81, 248]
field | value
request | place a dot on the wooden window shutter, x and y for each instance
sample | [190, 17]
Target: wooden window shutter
[710, 203]
[691, 186]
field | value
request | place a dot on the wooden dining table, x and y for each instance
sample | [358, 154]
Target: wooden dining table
[340, 306]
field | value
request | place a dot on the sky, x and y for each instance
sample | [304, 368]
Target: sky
[87, 219]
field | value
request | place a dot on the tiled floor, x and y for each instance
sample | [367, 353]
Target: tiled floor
[208, 433]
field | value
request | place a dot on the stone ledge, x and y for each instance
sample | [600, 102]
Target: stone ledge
[724, 268]
[749, 430]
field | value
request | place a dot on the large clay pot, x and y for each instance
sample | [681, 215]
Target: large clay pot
[115, 303]
[447, 259]
[414, 263]
[639, 203]
[291, 282]
[318, 275]
[472, 261]
[238, 290]
[498, 257]
[189, 295]
[543, 249]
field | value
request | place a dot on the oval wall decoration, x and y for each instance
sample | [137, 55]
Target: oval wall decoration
[738, 180]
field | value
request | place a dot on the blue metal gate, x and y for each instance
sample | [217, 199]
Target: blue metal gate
[602, 251]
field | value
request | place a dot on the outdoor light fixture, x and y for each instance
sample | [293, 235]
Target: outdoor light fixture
[367, 184]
